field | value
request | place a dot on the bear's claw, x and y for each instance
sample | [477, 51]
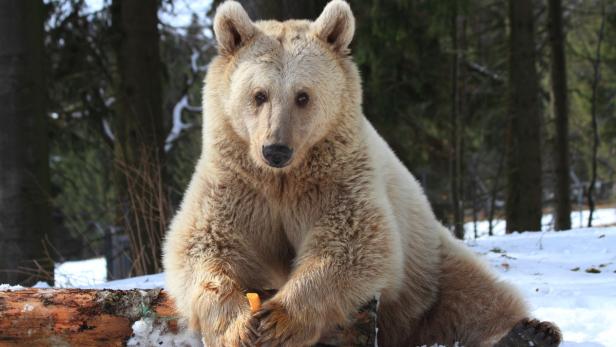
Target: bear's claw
[531, 332]
[249, 339]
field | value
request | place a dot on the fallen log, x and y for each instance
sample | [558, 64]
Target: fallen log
[79, 317]
[106, 317]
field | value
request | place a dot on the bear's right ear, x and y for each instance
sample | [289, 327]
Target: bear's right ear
[336, 26]
[232, 27]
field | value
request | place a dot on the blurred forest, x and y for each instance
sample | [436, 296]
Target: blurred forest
[502, 109]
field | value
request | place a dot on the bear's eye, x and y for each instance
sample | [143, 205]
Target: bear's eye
[301, 99]
[260, 98]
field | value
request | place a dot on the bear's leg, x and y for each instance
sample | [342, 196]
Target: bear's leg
[473, 307]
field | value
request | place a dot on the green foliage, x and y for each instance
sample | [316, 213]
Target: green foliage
[82, 96]
[177, 52]
[82, 194]
[582, 43]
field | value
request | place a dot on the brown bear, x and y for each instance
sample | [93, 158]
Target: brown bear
[295, 190]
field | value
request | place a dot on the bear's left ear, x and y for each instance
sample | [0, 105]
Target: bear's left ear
[336, 25]
[232, 27]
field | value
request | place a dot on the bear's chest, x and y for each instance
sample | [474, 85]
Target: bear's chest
[298, 218]
[295, 228]
[297, 208]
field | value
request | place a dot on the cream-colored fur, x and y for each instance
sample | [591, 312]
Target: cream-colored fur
[343, 222]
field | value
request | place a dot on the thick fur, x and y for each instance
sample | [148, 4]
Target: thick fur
[345, 221]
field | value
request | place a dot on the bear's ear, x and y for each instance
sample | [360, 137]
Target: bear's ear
[336, 25]
[232, 27]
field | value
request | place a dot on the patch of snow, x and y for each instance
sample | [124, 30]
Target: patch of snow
[567, 277]
[91, 273]
[141, 282]
[4, 287]
[80, 273]
[579, 219]
[41, 285]
[178, 124]
[107, 130]
[148, 332]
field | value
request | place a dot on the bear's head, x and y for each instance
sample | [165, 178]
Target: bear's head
[283, 86]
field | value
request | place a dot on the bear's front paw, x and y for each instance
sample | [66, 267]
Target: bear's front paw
[242, 333]
[277, 327]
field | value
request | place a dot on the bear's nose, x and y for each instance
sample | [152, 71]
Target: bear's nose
[277, 155]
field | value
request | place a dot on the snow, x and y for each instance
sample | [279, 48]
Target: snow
[579, 219]
[142, 282]
[567, 277]
[148, 332]
[81, 273]
[178, 124]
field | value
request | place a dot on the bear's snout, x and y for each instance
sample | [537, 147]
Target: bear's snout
[277, 155]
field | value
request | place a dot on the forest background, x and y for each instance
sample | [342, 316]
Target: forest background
[503, 110]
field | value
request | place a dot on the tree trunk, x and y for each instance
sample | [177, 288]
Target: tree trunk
[523, 207]
[560, 104]
[596, 65]
[457, 101]
[25, 217]
[493, 195]
[139, 134]
[87, 317]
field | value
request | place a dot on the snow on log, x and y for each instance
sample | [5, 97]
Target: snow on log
[106, 317]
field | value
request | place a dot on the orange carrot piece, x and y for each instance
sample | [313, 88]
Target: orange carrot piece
[254, 301]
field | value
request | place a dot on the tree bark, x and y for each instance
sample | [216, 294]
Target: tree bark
[25, 217]
[493, 195]
[596, 65]
[458, 27]
[139, 133]
[524, 193]
[560, 104]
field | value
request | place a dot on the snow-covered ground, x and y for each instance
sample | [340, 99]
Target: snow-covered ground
[579, 219]
[80, 273]
[567, 277]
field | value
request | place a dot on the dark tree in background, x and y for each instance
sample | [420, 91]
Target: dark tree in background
[138, 129]
[560, 104]
[458, 38]
[524, 189]
[25, 219]
[596, 79]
